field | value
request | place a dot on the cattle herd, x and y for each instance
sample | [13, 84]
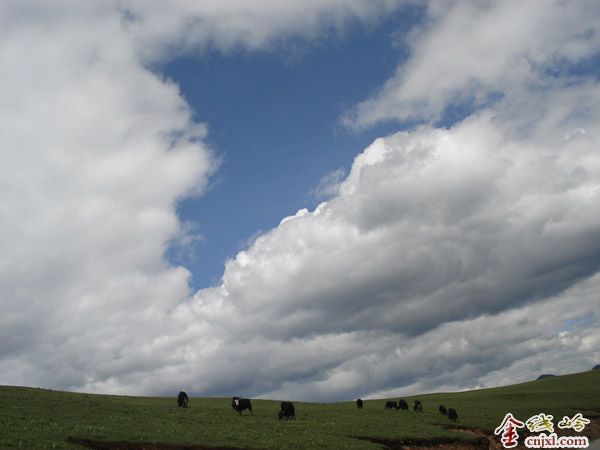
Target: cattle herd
[287, 410]
[418, 406]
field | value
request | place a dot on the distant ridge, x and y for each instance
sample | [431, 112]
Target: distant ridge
[545, 375]
[551, 375]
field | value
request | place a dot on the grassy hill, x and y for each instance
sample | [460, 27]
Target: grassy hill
[41, 419]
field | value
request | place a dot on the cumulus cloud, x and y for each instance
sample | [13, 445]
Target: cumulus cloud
[95, 153]
[471, 52]
[445, 259]
[429, 225]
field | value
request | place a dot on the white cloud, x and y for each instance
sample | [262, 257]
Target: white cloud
[446, 258]
[95, 153]
[91, 169]
[471, 51]
[157, 28]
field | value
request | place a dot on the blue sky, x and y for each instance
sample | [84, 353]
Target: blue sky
[456, 246]
[274, 120]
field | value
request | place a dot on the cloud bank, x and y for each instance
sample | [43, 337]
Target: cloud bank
[445, 259]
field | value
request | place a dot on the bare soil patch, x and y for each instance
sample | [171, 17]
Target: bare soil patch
[123, 445]
[592, 431]
[492, 442]
[426, 444]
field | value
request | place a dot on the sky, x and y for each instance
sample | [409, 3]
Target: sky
[316, 200]
[274, 121]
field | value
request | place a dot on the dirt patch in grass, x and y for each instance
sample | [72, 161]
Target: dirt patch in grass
[123, 445]
[592, 431]
[492, 442]
[426, 444]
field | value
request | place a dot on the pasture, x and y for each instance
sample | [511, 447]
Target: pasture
[36, 419]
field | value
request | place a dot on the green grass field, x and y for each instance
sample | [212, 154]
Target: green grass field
[41, 419]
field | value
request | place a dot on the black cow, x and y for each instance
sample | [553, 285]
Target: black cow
[359, 403]
[239, 404]
[403, 405]
[287, 410]
[418, 406]
[182, 399]
[391, 405]
[443, 411]
[452, 414]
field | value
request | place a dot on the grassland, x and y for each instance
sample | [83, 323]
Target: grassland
[36, 419]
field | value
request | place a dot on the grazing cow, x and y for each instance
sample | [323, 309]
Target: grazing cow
[287, 411]
[239, 404]
[182, 399]
[418, 406]
[452, 414]
[402, 404]
[391, 405]
[359, 403]
[443, 411]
